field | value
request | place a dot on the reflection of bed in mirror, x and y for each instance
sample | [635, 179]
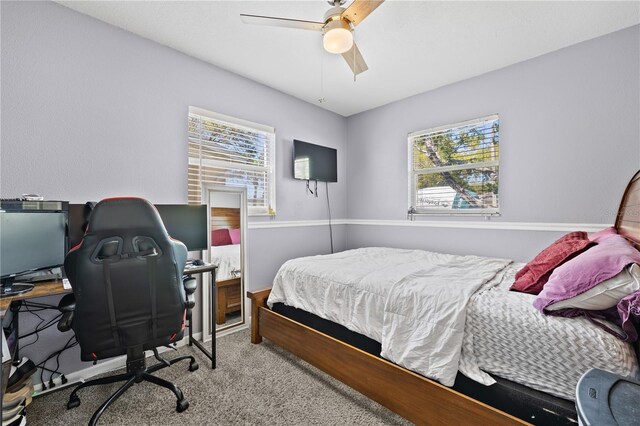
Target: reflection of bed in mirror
[227, 258]
[225, 253]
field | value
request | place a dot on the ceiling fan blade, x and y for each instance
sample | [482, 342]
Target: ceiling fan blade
[355, 60]
[360, 9]
[281, 22]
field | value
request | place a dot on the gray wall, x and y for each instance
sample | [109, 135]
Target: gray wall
[570, 141]
[91, 111]
[520, 246]
[290, 243]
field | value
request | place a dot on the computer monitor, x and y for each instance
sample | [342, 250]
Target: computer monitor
[30, 241]
[78, 219]
[186, 223]
[183, 222]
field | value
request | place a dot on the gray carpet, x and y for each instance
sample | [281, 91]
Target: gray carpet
[253, 384]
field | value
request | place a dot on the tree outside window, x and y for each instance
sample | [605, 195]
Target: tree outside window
[454, 168]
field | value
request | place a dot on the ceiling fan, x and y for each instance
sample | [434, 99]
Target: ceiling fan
[337, 28]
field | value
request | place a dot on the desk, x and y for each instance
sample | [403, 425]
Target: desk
[52, 288]
[201, 269]
[41, 289]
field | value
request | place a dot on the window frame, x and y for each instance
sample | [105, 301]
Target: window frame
[412, 174]
[270, 169]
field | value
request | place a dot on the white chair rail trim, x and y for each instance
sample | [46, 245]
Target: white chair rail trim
[487, 225]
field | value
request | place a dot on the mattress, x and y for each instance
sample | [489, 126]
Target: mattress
[506, 336]
[227, 258]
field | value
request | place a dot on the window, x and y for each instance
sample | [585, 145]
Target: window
[453, 169]
[232, 152]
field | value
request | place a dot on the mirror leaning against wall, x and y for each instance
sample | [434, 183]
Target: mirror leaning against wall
[227, 219]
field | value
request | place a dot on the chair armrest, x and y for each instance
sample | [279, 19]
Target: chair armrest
[190, 285]
[67, 306]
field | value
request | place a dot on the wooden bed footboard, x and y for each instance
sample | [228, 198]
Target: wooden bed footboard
[258, 300]
[412, 396]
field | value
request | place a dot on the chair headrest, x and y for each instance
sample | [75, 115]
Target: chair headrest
[114, 214]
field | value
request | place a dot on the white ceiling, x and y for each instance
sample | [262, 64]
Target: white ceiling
[410, 46]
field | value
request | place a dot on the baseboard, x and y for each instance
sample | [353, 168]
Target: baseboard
[100, 368]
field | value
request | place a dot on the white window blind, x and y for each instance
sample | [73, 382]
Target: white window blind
[232, 152]
[453, 169]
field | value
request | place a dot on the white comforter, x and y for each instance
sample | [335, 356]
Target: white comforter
[412, 301]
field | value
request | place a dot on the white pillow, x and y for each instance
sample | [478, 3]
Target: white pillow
[605, 295]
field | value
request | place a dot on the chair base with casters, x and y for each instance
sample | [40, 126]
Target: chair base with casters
[137, 372]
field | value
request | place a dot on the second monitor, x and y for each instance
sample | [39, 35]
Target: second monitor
[186, 223]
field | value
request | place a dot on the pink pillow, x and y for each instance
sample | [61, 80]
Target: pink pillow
[220, 237]
[532, 278]
[584, 272]
[600, 236]
[235, 236]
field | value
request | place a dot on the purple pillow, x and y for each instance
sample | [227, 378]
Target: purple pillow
[220, 237]
[587, 270]
[235, 236]
[600, 236]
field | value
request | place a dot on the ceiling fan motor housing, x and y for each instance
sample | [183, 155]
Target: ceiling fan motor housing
[333, 14]
[338, 23]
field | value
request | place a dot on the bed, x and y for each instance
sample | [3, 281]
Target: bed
[346, 318]
[226, 254]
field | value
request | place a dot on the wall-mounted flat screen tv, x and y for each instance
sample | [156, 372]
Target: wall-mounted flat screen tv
[314, 162]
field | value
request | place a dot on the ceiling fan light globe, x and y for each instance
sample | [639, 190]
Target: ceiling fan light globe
[337, 40]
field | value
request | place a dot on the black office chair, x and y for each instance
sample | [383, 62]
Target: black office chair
[128, 295]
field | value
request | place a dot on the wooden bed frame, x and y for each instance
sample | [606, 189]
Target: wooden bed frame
[628, 217]
[412, 396]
